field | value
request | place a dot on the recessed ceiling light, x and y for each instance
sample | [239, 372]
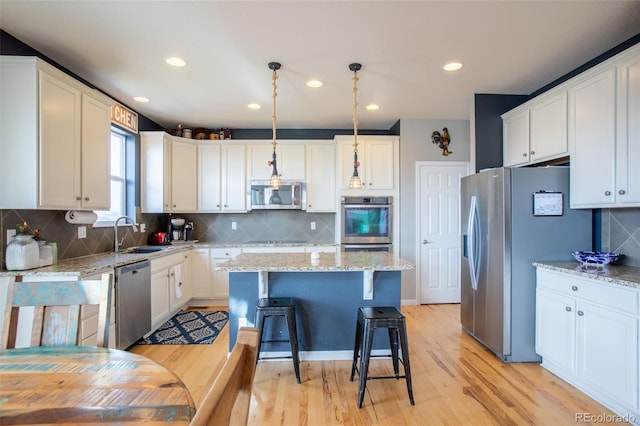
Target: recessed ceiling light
[254, 106]
[373, 107]
[314, 83]
[141, 99]
[453, 66]
[176, 62]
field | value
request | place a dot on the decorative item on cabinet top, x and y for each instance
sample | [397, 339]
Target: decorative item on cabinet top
[200, 133]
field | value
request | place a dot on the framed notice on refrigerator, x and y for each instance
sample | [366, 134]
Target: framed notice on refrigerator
[547, 203]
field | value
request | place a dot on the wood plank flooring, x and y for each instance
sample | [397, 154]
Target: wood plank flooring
[456, 381]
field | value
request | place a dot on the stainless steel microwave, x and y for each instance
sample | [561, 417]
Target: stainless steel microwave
[290, 196]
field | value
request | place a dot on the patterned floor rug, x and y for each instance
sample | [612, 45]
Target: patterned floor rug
[188, 328]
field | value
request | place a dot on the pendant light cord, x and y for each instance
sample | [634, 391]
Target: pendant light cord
[274, 117]
[355, 110]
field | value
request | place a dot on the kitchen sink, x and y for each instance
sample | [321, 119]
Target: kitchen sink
[146, 249]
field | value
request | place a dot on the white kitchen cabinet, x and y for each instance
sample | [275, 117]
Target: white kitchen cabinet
[604, 127]
[167, 283]
[168, 173]
[321, 177]
[290, 159]
[536, 131]
[587, 334]
[201, 272]
[221, 177]
[55, 139]
[220, 279]
[378, 158]
[184, 175]
[233, 178]
[89, 320]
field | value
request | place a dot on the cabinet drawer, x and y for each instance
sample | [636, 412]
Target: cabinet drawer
[225, 253]
[605, 294]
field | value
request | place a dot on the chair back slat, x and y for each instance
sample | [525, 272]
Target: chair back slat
[228, 400]
[56, 310]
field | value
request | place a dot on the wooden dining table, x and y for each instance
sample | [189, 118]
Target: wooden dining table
[84, 384]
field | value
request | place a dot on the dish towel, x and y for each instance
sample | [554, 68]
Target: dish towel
[177, 281]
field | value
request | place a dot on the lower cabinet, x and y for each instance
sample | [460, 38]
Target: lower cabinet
[207, 282]
[170, 289]
[587, 334]
[89, 320]
[220, 279]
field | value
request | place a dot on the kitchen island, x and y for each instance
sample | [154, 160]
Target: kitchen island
[328, 289]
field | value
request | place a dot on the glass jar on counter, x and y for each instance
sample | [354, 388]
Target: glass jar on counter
[22, 253]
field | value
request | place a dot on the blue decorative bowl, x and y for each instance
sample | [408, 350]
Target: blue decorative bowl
[596, 257]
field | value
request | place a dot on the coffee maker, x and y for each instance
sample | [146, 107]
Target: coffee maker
[177, 228]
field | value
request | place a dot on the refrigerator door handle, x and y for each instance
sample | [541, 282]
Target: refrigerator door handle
[472, 241]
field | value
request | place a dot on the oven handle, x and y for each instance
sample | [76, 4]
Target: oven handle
[358, 206]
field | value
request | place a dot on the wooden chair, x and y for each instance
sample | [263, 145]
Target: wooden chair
[227, 401]
[56, 313]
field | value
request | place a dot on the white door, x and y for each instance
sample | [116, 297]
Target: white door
[438, 226]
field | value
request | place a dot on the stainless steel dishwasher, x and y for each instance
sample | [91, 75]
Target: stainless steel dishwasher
[133, 303]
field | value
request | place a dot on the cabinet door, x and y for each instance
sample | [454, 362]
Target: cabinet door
[515, 138]
[220, 279]
[60, 115]
[160, 306]
[592, 140]
[556, 329]
[608, 348]
[184, 177]
[96, 158]
[548, 118]
[345, 152]
[291, 161]
[628, 136]
[321, 183]
[209, 177]
[258, 157]
[233, 178]
[380, 164]
[155, 172]
[201, 274]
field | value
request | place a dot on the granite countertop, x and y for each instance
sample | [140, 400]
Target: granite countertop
[103, 262]
[628, 276]
[303, 262]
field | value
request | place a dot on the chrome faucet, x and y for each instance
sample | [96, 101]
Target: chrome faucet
[117, 244]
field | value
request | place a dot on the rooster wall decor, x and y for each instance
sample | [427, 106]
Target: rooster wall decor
[442, 140]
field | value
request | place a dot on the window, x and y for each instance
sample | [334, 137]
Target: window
[121, 156]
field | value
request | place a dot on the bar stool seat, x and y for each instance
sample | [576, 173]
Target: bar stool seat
[284, 307]
[370, 319]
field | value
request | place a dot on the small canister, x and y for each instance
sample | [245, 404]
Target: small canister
[186, 133]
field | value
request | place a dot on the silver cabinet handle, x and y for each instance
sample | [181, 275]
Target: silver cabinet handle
[574, 287]
[568, 308]
[78, 198]
[580, 313]
[86, 198]
[622, 192]
[226, 205]
[426, 242]
[607, 193]
[524, 154]
[174, 205]
[533, 153]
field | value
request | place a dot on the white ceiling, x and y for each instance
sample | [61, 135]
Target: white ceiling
[506, 47]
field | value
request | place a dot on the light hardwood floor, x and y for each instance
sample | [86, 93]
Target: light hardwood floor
[456, 381]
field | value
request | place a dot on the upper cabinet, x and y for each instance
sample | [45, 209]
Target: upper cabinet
[536, 131]
[604, 130]
[290, 160]
[378, 158]
[321, 177]
[54, 139]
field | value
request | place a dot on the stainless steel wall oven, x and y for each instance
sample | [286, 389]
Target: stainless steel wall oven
[366, 223]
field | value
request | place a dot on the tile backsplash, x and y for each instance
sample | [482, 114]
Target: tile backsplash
[258, 225]
[621, 234]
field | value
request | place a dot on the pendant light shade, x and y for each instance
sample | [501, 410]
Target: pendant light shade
[274, 182]
[355, 182]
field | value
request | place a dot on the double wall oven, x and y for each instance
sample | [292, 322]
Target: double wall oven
[366, 224]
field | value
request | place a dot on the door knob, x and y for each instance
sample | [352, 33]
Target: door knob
[622, 192]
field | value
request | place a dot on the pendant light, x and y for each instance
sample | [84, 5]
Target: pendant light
[355, 182]
[275, 178]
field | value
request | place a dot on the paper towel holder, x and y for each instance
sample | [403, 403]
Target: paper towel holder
[77, 217]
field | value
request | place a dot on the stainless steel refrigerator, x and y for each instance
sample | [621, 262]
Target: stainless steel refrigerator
[512, 217]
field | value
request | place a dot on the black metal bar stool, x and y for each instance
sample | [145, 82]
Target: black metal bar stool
[370, 319]
[285, 307]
